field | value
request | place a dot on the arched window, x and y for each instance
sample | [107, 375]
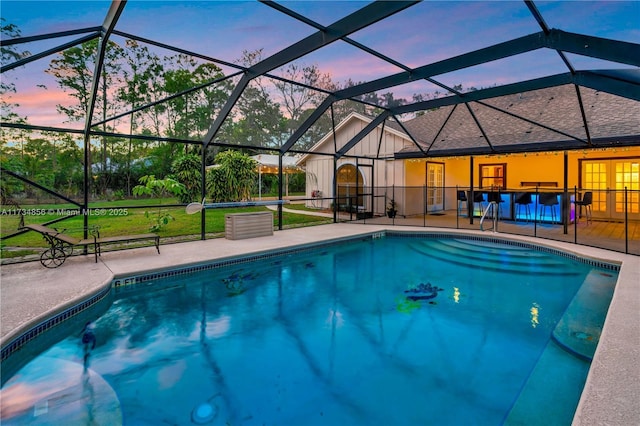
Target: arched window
[350, 186]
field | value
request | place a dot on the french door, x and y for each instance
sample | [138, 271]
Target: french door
[435, 187]
[607, 179]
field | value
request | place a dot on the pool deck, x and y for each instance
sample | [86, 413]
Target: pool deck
[30, 293]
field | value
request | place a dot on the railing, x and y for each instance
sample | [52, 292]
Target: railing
[493, 207]
[542, 212]
[613, 222]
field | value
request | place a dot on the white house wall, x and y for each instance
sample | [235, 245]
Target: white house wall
[387, 173]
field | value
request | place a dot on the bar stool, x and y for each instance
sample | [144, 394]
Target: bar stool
[462, 198]
[523, 199]
[478, 200]
[550, 200]
[587, 200]
[496, 198]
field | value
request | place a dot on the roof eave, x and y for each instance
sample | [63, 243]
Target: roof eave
[568, 145]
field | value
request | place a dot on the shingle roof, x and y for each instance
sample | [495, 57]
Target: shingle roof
[549, 118]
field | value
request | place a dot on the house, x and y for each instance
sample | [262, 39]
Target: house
[538, 141]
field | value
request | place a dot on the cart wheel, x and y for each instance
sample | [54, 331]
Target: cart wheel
[67, 249]
[52, 258]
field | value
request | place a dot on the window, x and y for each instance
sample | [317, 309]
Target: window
[350, 186]
[493, 176]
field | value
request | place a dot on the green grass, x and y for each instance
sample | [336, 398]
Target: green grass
[8, 254]
[114, 220]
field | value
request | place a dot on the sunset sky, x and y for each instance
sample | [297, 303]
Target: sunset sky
[422, 34]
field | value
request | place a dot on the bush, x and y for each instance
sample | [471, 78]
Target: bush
[233, 178]
[186, 170]
[159, 188]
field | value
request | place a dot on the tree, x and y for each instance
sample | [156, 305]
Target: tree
[233, 177]
[299, 100]
[139, 72]
[186, 170]
[7, 55]
[74, 70]
[178, 109]
[159, 188]
[210, 98]
[9, 136]
[259, 121]
[68, 168]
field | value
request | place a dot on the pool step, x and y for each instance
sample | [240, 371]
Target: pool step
[492, 250]
[544, 399]
[504, 258]
[578, 331]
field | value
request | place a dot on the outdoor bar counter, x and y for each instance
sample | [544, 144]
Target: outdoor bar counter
[527, 205]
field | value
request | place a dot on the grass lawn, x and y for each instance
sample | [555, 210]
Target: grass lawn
[121, 218]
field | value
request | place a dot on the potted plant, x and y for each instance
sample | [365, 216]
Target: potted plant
[391, 209]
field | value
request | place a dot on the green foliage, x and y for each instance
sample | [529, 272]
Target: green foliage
[159, 188]
[391, 208]
[233, 178]
[186, 170]
[270, 183]
[215, 185]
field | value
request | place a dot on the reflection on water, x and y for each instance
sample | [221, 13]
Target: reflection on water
[51, 391]
[340, 337]
[535, 311]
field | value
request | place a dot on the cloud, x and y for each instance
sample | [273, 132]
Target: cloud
[40, 107]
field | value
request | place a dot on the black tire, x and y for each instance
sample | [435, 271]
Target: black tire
[52, 258]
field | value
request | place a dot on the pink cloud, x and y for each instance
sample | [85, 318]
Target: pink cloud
[39, 105]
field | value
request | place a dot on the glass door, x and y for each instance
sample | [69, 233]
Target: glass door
[595, 177]
[435, 187]
[607, 179]
[626, 175]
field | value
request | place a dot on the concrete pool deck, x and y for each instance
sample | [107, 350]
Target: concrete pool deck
[30, 293]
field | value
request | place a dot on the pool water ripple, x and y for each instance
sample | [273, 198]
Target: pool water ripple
[330, 337]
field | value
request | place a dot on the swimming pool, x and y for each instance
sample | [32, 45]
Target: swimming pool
[334, 336]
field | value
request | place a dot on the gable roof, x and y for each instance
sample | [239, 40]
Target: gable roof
[353, 116]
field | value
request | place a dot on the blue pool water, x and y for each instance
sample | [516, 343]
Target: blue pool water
[495, 334]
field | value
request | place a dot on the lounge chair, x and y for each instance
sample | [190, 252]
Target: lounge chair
[61, 244]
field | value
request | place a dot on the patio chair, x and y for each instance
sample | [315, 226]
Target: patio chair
[587, 200]
[61, 245]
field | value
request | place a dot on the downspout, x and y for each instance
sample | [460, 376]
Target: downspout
[280, 192]
[203, 190]
[335, 189]
[567, 202]
[470, 203]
